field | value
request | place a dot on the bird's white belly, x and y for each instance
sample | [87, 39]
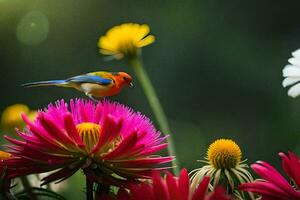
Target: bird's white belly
[94, 89]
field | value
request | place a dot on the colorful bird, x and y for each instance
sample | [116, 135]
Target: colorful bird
[94, 84]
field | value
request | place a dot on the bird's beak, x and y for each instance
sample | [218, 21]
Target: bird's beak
[131, 84]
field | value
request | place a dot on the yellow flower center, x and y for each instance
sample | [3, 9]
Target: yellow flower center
[89, 133]
[224, 154]
[4, 155]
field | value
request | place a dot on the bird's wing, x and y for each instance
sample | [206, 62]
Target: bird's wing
[89, 79]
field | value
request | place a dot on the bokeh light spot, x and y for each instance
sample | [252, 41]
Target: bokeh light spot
[33, 28]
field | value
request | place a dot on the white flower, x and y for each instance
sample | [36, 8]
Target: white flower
[291, 72]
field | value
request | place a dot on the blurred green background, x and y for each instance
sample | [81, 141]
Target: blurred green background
[216, 65]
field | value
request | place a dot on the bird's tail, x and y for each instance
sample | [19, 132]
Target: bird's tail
[46, 83]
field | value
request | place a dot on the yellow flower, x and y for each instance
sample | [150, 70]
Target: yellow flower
[4, 155]
[125, 40]
[224, 166]
[11, 117]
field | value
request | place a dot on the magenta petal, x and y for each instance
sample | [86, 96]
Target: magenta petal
[44, 147]
[183, 185]
[40, 133]
[14, 141]
[126, 143]
[109, 131]
[172, 186]
[98, 110]
[134, 151]
[30, 153]
[201, 190]
[159, 187]
[55, 131]
[291, 166]
[153, 149]
[219, 193]
[72, 131]
[138, 191]
[83, 115]
[265, 188]
[271, 174]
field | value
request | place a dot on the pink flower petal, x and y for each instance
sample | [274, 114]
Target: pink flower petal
[183, 185]
[172, 186]
[267, 172]
[127, 143]
[291, 166]
[109, 131]
[201, 190]
[71, 130]
[159, 187]
[55, 131]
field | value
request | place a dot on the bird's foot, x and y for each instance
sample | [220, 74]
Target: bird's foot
[93, 98]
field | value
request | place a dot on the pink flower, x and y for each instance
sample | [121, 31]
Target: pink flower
[104, 139]
[274, 186]
[172, 188]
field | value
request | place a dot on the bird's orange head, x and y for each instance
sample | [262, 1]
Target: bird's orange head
[124, 78]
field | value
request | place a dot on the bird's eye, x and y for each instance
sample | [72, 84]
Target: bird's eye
[124, 78]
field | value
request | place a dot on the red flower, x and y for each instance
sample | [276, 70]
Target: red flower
[4, 183]
[274, 186]
[172, 188]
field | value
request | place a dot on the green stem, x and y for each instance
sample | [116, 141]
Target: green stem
[5, 192]
[27, 187]
[8, 196]
[137, 65]
[102, 190]
[89, 189]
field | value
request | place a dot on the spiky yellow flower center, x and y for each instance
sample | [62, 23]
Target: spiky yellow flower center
[89, 133]
[224, 154]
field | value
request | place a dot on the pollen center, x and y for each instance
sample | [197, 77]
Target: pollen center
[224, 154]
[89, 133]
